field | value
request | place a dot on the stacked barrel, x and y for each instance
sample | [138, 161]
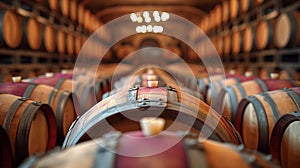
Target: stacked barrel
[53, 28]
[243, 31]
[36, 113]
[264, 111]
[147, 117]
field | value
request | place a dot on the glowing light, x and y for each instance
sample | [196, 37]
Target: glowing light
[165, 16]
[157, 18]
[139, 19]
[146, 14]
[147, 19]
[149, 28]
[133, 17]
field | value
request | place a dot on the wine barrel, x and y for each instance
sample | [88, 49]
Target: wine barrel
[30, 125]
[147, 152]
[237, 42]
[225, 11]
[218, 15]
[86, 20]
[83, 91]
[256, 116]
[220, 43]
[286, 28]
[61, 41]
[248, 38]
[80, 14]
[53, 4]
[284, 145]
[101, 85]
[49, 40]
[214, 88]
[60, 101]
[6, 158]
[234, 8]
[227, 44]
[205, 24]
[64, 7]
[232, 95]
[165, 102]
[78, 44]
[212, 20]
[32, 33]
[264, 34]
[73, 10]
[70, 44]
[10, 29]
[246, 5]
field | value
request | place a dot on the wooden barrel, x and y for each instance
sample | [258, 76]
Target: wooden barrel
[237, 42]
[84, 91]
[232, 95]
[246, 5]
[61, 41]
[264, 34]
[6, 158]
[70, 44]
[286, 28]
[101, 85]
[205, 24]
[73, 10]
[248, 38]
[225, 11]
[131, 150]
[234, 8]
[220, 45]
[256, 116]
[64, 8]
[77, 44]
[30, 125]
[60, 101]
[212, 20]
[133, 103]
[214, 88]
[86, 20]
[284, 144]
[80, 14]
[32, 33]
[11, 28]
[218, 14]
[49, 40]
[53, 4]
[227, 44]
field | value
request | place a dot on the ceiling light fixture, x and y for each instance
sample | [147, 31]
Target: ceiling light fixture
[148, 17]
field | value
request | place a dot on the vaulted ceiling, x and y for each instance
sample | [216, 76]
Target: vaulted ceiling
[107, 10]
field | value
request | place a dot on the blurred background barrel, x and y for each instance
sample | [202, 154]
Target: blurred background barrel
[286, 32]
[49, 40]
[32, 33]
[11, 29]
[264, 34]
